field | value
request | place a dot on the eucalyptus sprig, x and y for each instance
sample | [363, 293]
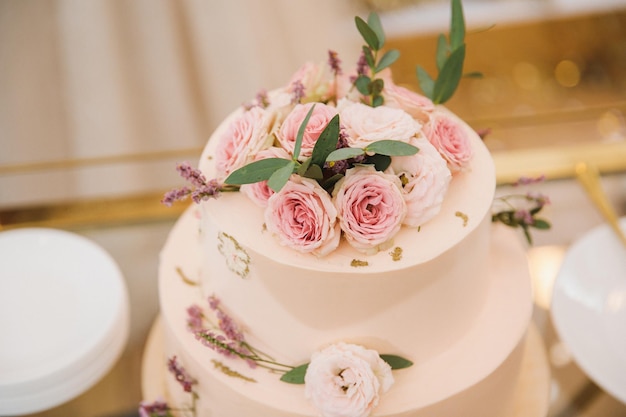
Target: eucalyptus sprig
[449, 57]
[374, 36]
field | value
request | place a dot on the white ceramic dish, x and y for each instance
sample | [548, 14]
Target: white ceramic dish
[63, 317]
[589, 307]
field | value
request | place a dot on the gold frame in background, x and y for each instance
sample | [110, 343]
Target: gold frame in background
[553, 94]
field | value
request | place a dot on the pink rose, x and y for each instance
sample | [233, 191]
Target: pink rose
[364, 124]
[417, 105]
[244, 138]
[315, 80]
[370, 206]
[346, 380]
[259, 192]
[450, 138]
[303, 217]
[426, 177]
[288, 132]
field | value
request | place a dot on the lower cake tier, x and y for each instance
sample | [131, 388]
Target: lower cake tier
[481, 374]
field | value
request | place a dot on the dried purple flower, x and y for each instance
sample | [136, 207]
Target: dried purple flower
[180, 374]
[194, 318]
[155, 409]
[362, 67]
[174, 195]
[226, 323]
[529, 180]
[193, 175]
[334, 62]
[297, 91]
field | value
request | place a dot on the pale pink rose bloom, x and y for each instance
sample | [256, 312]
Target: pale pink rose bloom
[288, 132]
[346, 380]
[316, 81]
[365, 124]
[259, 192]
[417, 105]
[370, 207]
[451, 139]
[426, 178]
[303, 217]
[244, 138]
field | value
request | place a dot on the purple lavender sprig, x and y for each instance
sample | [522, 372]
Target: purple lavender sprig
[181, 375]
[522, 209]
[157, 408]
[199, 190]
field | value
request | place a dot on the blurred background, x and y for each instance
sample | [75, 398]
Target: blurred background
[100, 99]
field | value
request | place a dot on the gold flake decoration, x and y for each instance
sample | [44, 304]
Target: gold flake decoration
[184, 277]
[396, 253]
[462, 216]
[356, 263]
[236, 257]
[229, 372]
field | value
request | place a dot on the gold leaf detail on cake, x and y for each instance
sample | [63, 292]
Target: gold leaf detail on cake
[229, 372]
[184, 277]
[236, 257]
[396, 253]
[462, 216]
[356, 263]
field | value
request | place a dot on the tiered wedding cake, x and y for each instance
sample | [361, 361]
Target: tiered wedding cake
[342, 260]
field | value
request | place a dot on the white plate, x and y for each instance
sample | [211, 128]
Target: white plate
[589, 307]
[63, 317]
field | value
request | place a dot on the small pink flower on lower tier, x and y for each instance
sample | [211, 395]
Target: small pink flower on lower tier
[425, 177]
[245, 137]
[371, 207]
[346, 380]
[451, 139]
[303, 217]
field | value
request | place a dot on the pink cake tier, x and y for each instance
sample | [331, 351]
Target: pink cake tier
[294, 303]
[476, 372]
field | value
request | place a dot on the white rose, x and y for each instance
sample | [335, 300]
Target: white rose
[364, 124]
[426, 178]
[346, 380]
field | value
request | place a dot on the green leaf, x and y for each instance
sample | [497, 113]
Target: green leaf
[473, 74]
[303, 167]
[449, 77]
[314, 172]
[427, 85]
[376, 86]
[373, 21]
[457, 26]
[344, 153]
[298, 144]
[541, 224]
[380, 162]
[280, 177]
[369, 36]
[391, 148]
[256, 171]
[369, 57]
[326, 143]
[396, 362]
[443, 50]
[329, 183]
[362, 84]
[296, 375]
[388, 58]
[377, 101]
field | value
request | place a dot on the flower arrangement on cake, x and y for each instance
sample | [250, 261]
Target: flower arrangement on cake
[331, 156]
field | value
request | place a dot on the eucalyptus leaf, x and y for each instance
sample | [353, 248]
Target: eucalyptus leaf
[443, 50]
[473, 74]
[449, 77]
[457, 26]
[344, 153]
[388, 58]
[296, 375]
[369, 36]
[303, 167]
[380, 162]
[377, 101]
[362, 84]
[314, 172]
[541, 224]
[326, 143]
[427, 84]
[376, 86]
[280, 177]
[298, 144]
[256, 171]
[396, 362]
[391, 148]
[373, 21]
[329, 183]
[369, 56]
